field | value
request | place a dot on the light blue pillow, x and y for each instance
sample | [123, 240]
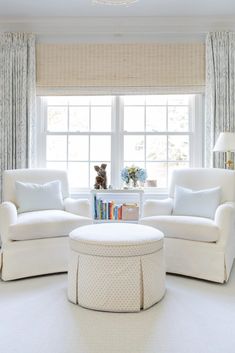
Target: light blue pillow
[35, 197]
[198, 203]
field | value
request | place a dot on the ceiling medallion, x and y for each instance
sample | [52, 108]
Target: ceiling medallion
[115, 2]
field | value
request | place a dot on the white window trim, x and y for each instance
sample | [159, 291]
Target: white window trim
[117, 139]
[196, 141]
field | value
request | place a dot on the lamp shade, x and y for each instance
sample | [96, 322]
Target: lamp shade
[225, 142]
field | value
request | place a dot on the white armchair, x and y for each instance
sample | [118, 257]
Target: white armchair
[197, 246]
[35, 243]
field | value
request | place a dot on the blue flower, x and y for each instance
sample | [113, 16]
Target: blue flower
[134, 173]
[141, 175]
[125, 175]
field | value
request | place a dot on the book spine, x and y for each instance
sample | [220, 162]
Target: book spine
[100, 209]
[109, 210]
[115, 212]
[95, 207]
[120, 212]
[105, 210]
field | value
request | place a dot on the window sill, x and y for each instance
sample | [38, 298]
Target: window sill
[148, 193]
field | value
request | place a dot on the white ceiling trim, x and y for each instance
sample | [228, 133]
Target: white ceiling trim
[118, 27]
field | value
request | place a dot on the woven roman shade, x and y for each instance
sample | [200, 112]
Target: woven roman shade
[120, 68]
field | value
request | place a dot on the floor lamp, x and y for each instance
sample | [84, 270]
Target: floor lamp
[226, 143]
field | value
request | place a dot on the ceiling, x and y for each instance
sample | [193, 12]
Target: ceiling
[86, 8]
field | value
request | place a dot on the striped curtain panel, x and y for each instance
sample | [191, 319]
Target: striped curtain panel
[17, 101]
[220, 92]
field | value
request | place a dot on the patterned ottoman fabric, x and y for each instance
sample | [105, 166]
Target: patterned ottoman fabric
[116, 267]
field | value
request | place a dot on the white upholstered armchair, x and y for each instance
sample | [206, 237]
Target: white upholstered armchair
[35, 243]
[196, 246]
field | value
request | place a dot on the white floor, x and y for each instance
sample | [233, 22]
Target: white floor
[194, 317]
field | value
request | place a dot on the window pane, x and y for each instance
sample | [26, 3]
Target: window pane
[100, 148]
[57, 100]
[133, 118]
[78, 174]
[157, 171]
[57, 165]
[178, 148]
[134, 100]
[101, 119]
[155, 119]
[181, 99]
[82, 100]
[134, 148]
[78, 148]
[56, 148]
[57, 119]
[156, 148]
[156, 100]
[101, 100]
[134, 163]
[79, 119]
[178, 119]
[93, 173]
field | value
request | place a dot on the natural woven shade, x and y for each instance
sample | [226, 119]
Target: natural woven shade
[120, 66]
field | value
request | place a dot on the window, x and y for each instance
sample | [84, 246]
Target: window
[160, 138]
[157, 132]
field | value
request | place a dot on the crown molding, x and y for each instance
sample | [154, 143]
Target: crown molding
[118, 26]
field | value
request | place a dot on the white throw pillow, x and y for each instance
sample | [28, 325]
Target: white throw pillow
[198, 203]
[35, 197]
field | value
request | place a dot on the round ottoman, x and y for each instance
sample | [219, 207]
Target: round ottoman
[116, 267]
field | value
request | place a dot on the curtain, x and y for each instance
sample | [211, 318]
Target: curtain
[17, 101]
[220, 92]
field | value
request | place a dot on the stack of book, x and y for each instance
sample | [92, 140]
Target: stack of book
[107, 210]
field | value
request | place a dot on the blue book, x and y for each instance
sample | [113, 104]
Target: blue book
[95, 207]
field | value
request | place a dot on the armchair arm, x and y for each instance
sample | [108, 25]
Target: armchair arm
[157, 207]
[225, 220]
[8, 216]
[80, 207]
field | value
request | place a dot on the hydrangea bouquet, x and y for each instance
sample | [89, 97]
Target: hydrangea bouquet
[133, 174]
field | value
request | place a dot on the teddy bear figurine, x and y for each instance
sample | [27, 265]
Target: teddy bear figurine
[101, 178]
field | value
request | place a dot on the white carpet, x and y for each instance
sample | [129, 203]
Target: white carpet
[194, 317]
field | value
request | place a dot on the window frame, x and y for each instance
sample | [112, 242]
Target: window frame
[196, 141]
[43, 133]
[195, 134]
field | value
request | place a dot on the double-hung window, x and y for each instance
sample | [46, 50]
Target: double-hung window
[76, 136]
[159, 134]
[156, 132]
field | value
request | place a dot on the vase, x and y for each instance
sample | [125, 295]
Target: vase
[134, 183]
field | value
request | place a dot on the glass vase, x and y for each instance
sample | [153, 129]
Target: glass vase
[134, 183]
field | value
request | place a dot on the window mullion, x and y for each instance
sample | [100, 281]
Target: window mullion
[68, 113]
[145, 144]
[120, 134]
[89, 149]
[167, 146]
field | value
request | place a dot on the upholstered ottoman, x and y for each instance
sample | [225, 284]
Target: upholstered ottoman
[116, 267]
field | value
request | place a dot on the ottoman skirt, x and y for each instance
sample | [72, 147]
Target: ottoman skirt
[117, 283]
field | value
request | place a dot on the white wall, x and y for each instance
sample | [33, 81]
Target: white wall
[114, 29]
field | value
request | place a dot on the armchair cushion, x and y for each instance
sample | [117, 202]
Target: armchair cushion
[78, 206]
[197, 203]
[35, 197]
[185, 227]
[157, 207]
[45, 224]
